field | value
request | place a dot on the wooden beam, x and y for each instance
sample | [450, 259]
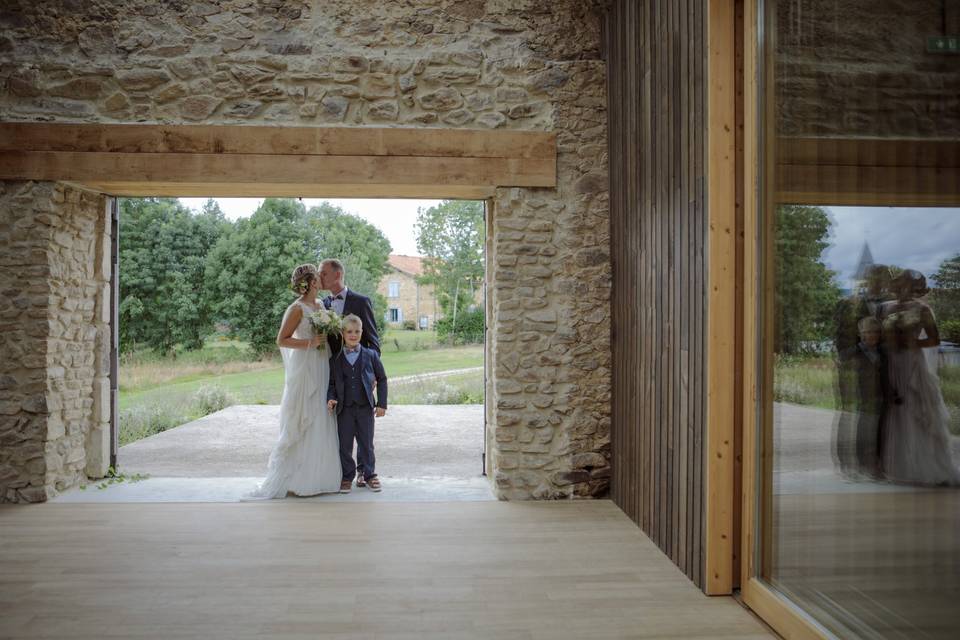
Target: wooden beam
[224, 139]
[198, 168]
[868, 172]
[721, 291]
[261, 160]
[290, 190]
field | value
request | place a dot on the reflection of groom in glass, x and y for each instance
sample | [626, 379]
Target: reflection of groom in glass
[849, 317]
[863, 390]
[346, 302]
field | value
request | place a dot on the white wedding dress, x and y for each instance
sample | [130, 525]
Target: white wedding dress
[915, 441]
[306, 459]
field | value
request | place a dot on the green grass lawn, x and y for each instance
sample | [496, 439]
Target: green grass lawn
[157, 394]
[265, 386]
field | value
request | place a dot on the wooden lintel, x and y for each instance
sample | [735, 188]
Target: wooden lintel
[275, 140]
[197, 168]
[288, 190]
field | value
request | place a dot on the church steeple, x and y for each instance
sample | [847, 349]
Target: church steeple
[866, 261]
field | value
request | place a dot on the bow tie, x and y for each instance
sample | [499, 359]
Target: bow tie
[337, 297]
[349, 350]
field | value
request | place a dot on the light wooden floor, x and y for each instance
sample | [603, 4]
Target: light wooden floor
[346, 570]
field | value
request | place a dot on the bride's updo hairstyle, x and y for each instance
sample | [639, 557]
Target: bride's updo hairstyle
[302, 277]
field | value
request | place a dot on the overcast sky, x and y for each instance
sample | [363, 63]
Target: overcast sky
[395, 218]
[915, 238]
[912, 238]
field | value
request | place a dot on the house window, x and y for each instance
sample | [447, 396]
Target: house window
[394, 290]
[396, 315]
[424, 322]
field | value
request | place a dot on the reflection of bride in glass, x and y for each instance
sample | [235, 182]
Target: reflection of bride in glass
[916, 442]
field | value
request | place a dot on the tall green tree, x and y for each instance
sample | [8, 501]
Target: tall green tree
[340, 234]
[249, 270]
[945, 298]
[806, 291]
[450, 236]
[360, 246]
[163, 248]
[945, 290]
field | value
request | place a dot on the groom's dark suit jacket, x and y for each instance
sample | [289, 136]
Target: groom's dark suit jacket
[360, 306]
[371, 371]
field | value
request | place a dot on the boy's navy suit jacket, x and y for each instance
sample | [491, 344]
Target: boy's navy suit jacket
[370, 369]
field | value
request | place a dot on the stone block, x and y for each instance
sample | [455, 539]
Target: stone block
[445, 99]
[97, 450]
[141, 79]
[101, 400]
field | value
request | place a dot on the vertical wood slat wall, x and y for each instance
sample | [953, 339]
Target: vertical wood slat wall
[655, 52]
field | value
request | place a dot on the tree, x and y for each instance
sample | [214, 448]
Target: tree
[451, 236]
[248, 270]
[360, 246]
[340, 234]
[806, 292]
[163, 248]
[945, 292]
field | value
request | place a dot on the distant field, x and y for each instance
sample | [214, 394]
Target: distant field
[264, 384]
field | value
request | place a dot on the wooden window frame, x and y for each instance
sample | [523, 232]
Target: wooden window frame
[852, 172]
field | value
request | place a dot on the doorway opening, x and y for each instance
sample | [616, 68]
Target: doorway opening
[202, 289]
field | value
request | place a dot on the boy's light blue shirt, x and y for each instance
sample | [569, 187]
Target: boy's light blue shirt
[351, 355]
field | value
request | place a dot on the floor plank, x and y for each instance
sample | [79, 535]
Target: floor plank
[292, 569]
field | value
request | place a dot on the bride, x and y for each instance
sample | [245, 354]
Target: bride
[306, 459]
[916, 440]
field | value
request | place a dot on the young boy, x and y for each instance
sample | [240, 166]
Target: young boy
[354, 374]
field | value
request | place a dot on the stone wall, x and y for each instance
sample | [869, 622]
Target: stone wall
[53, 432]
[861, 69]
[511, 64]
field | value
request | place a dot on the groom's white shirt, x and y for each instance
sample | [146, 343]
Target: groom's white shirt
[337, 305]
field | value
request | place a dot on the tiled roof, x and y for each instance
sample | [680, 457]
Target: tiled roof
[408, 264]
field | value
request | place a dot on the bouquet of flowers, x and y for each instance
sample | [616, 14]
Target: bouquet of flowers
[326, 321]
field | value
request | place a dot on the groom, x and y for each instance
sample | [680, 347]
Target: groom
[346, 302]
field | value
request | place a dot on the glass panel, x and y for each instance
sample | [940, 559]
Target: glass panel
[860, 510]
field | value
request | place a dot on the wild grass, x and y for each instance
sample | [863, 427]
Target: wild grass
[145, 369]
[811, 381]
[461, 388]
[144, 420]
[158, 393]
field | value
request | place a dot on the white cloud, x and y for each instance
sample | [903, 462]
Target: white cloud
[909, 237]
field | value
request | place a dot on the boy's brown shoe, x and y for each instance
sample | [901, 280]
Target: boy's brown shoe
[345, 486]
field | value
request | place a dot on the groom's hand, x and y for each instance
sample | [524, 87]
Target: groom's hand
[331, 405]
[379, 412]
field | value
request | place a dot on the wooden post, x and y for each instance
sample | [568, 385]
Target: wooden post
[721, 297]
